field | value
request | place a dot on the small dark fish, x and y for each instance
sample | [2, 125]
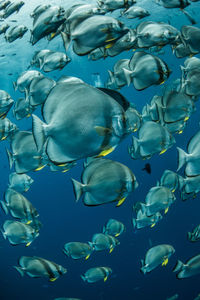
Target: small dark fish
[147, 168]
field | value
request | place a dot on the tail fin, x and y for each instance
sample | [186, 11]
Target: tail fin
[66, 40]
[128, 75]
[78, 189]
[83, 277]
[39, 132]
[15, 85]
[190, 18]
[182, 158]
[20, 270]
[10, 158]
[181, 181]
[179, 266]
[134, 222]
[143, 268]
[4, 207]
[143, 208]
[4, 234]
[134, 149]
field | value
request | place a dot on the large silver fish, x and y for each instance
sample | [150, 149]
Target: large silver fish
[153, 138]
[12, 7]
[39, 267]
[20, 182]
[77, 250]
[95, 274]
[158, 255]
[24, 80]
[191, 36]
[18, 206]
[24, 155]
[82, 122]
[190, 268]
[15, 32]
[105, 181]
[19, 233]
[114, 227]
[170, 180]
[142, 220]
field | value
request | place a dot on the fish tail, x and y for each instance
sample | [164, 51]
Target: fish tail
[143, 207]
[182, 158]
[38, 132]
[4, 207]
[190, 18]
[10, 158]
[66, 40]
[78, 189]
[83, 277]
[14, 85]
[181, 181]
[128, 75]
[133, 150]
[4, 234]
[143, 268]
[134, 222]
[20, 270]
[179, 266]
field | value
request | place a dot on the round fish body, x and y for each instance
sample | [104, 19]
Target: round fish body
[96, 274]
[114, 227]
[77, 250]
[5, 103]
[105, 181]
[20, 182]
[24, 80]
[7, 128]
[15, 33]
[82, 122]
[40, 267]
[156, 256]
[102, 241]
[19, 233]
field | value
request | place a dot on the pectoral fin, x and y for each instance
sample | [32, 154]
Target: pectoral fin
[106, 152]
[121, 201]
[105, 278]
[28, 244]
[166, 210]
[52, 279]
[87, 256]
[152, 225]
[163, 151]
[165, 262]
[111, 250]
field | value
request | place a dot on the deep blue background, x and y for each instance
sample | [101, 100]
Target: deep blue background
[64, 220]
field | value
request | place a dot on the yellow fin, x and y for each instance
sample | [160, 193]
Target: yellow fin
[65, 170]
[3, 138]
[117, 234]
[28, 244]
[121, 201]
[110, 39]
[180, 131]
[62, 165]
[152, 225]
[173, 190]
[111, 250]
[105, 278]
[109, 45]
[52, 279]
[166, 210]
[186, 118]
[40, 168]
[28, 222]
[28, 116]
[162, 82]
[106, 152]
[165, 262]
[163, 151]
[52, 35]
[87, 256]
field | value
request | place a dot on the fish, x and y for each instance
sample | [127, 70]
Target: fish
[77, 250]
[101, 241]
[12, 8]
[159, 198]
[170, 180]
[110, 5]
[104, 181]
[191, 37]
[114, 228]
[22, 109]
[38, 267]
[135, 12]
[142, 220]
[191, 160]
[155, 256]
[146, 69]
[15, 32]
[18, 206]
[190, 268]
[4, 4]
[6, 102]
[189, 186]
[53, 61]
[47, 23]
[3, 28]
[147, 168]
[153, 138]
[94, 32]
[39, 10]
[151, 34]
[24, 80]
[38, 90]
[75, 135]
[7, 129]
[39, 56]
[24, 155]
[18, 233]
[95, 274]
[20, 182]
[194, 236]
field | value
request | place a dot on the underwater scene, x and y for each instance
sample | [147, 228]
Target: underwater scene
[100, 149]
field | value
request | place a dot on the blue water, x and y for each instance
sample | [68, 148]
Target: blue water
[64, 220]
